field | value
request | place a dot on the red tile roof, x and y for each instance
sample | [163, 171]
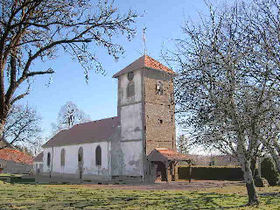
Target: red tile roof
[168, 154]
[144, 62]
[39, 157]
[171, 154]
[100, 130]
[16, 156]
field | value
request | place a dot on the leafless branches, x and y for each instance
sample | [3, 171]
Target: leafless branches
[228, 85]
[42, 29]
[68, 116]
[22, 126]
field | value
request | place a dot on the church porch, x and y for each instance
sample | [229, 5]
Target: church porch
[163, 163]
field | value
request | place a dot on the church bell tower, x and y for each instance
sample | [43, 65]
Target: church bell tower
[146, 112]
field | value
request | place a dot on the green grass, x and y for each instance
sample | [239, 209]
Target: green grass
[22, 196]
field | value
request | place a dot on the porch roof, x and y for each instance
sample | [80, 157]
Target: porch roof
[164, 154]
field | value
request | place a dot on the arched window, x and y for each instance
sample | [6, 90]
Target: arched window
[80, 155]
[98, 156]
[130, 76]
[62, 157]
[49, 159]
[159, 88]
[130, 89]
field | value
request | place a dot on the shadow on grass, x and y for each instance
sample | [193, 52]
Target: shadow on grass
[219, 201]
[78, 197]
[274, 194]
[127, 200]
[228, 201]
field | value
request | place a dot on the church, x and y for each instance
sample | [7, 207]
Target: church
[138, 145]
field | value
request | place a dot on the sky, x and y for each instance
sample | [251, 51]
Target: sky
[163, 20]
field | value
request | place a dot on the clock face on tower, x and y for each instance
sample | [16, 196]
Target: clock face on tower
[130, 76]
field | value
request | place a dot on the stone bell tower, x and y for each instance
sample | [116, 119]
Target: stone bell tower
[146, 111]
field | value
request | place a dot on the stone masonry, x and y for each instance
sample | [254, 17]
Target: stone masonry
[159, 111]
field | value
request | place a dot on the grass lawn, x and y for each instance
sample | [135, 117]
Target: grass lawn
[21, 196]
[11, 175]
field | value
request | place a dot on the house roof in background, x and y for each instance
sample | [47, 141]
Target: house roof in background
[16, 156]
[39, 157]
[95, 131]
[144, 62]
[218, 160]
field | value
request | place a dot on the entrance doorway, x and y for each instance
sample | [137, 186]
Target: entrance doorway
[160, 171]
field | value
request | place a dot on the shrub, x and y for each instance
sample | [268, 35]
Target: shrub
[269, 171]
[260, 181]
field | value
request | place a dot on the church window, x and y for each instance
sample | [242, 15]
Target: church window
[98, 156]
[159, 88]
[62, 157]
[49, 159]
[130, 89]
[130, 76]
[80, 155]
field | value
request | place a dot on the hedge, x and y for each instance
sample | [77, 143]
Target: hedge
[210, 173]
[16, 179]
[269, 171]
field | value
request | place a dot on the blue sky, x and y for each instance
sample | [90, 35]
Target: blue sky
[98, 98]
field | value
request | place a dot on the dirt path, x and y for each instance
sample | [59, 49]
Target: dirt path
[179, 185]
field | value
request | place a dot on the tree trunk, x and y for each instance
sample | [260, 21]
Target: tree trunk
[276, 155]
[247, 174]
[253, 166]
[260, 167]
[249, 180]
[2, 124]
[3, 119]
[252, 194]
[276, 145]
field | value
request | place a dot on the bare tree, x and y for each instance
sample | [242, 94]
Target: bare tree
[68, 116]
[33, 30]
[182, 144]
[22, 127]
[265, 26]
[36, 145]
[227, 88]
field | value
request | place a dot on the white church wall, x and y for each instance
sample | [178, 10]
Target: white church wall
[123, 99]
[133, 158]
[130, 112]
[71, 160]
[131, 122]
[46, 168]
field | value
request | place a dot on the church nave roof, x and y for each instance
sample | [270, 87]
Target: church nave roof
[94, 131]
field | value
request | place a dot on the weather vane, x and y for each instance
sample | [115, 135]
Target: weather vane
[144, 40]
